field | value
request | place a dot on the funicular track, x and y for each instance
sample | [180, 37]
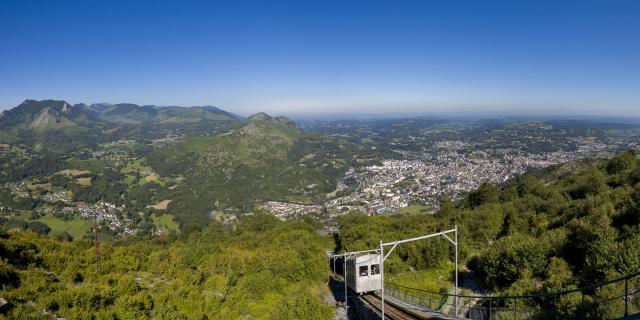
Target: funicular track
[391, 310]
[617, 298]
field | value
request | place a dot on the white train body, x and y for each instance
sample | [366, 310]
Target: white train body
[363, 273]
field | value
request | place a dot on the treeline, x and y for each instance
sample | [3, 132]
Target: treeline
[33, 167]
[65, 140]
[587, 223]
[226, 172]
[229, 172]
[262, 268]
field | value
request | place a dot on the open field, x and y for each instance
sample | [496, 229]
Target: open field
[138, 168]
[73, 172]
[77, 227]
[39, 186]
[162, 205]
[416, 209]
[23, 215]
[84, 181]
[165, 220]
[137, 165]
[91, 165]
[151, 178]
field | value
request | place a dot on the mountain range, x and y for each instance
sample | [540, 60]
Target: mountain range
[129, 113]
[56, 114]
[220, 158]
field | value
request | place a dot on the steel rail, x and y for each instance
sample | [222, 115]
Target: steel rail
[391, 311]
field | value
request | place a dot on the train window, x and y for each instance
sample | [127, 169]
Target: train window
[375, 269]
[364, 271]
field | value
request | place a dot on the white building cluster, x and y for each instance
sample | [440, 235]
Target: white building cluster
[386, 188]
[109, 214]
[397, 183]
[286, 210]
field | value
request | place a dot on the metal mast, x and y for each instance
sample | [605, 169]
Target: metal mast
[394, 244]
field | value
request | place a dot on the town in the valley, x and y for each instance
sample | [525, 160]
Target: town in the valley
[398, 186]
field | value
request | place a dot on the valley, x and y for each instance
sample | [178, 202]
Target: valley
[204, 163]
[329, 160]
[157, 190]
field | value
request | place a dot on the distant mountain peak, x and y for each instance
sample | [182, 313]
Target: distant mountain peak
[45, 114]
[282, 119]
[39, 104]
[260, 116]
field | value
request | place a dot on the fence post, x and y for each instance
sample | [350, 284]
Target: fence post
[490, 308]
[626, 297]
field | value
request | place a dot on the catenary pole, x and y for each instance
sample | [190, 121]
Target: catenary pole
[394, 244]
[456, 289]
[382, 276]
[344, 273]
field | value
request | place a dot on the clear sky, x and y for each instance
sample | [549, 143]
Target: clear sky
[294, 57]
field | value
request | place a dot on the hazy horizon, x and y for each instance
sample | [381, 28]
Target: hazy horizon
[436, 113]
[412, 57]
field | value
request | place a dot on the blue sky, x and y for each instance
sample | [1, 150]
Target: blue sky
[315, 57]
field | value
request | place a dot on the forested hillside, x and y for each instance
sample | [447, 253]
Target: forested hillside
[264, 268]
[549, 230]
[266, 159]
[571, 225]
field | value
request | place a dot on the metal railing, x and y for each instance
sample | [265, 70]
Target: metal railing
[614, 299]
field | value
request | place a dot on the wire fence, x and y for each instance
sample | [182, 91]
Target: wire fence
[615, 299]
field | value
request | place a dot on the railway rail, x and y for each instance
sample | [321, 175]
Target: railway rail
[391, 311]
[619, 297]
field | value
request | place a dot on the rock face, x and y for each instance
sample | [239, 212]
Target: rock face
[42, 119]
[45, 114]
[66, 108]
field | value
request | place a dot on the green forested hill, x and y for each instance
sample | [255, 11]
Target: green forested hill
[254, 161]
[546, 231]
[266, 159]
[558, 228]
[263, 269]
[128, 113]
[227, 164]
[57, 126]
